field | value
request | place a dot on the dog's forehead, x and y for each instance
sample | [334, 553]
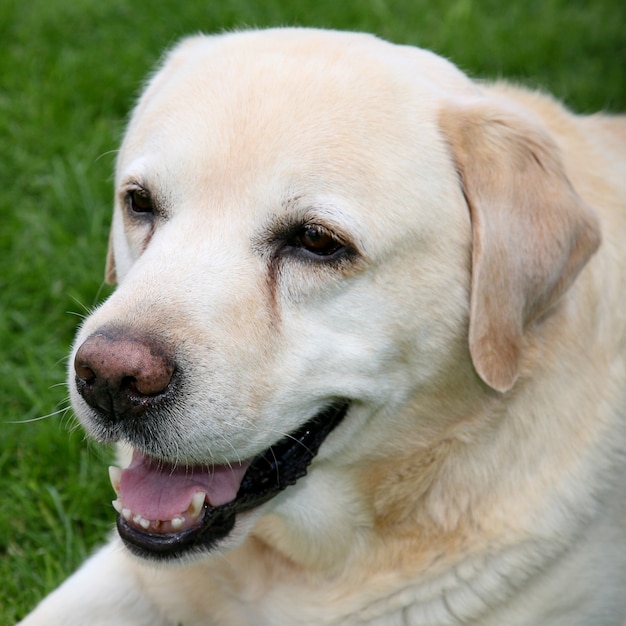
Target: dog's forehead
[295, 84]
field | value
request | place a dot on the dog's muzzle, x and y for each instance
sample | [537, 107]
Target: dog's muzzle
[202, 525]
[167, 510]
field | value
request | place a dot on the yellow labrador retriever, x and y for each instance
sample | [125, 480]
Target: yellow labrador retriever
[367, 355]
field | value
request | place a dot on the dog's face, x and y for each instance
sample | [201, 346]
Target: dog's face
[294, 252]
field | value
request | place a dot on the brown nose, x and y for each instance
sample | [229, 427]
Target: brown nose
[121, 374]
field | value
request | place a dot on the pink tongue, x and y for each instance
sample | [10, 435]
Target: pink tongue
[159, 491]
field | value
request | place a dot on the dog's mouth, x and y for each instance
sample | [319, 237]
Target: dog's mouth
[166, 511]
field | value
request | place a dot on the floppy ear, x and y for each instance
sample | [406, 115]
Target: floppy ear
[109, 271]
[532, 233]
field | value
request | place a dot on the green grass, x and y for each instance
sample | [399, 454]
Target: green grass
[69, 72]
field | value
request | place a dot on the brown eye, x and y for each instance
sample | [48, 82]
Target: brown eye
[318, 240]
[140, 201]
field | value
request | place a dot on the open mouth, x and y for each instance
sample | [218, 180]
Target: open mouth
[166, 511]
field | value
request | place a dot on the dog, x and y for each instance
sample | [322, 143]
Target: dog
[366, 357]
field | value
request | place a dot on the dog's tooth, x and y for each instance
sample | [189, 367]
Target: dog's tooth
[127, 514]
[115, 475]
[196, 505]
[117, 505]
[140, 520]
[177, 522]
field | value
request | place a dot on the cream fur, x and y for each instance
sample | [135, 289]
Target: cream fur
[479, 476]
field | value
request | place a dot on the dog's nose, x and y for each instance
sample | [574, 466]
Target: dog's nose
[121, 374]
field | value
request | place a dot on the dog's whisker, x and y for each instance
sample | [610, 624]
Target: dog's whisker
[81, 316]
[57, 385]
[276, 464]
[88, 310]
[232, 447]
[113, 152]
[40, 418]
[73, 427]
[101, 288]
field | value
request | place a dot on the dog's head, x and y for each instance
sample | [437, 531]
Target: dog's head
[327, 249]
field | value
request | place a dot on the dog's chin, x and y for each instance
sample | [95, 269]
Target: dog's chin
[224, 525]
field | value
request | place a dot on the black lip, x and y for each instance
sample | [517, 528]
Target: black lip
[269, 473]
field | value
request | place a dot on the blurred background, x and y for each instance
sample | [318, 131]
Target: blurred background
[69, 73]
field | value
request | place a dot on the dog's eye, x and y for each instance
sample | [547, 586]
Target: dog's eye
[140, 201]
[318, 240]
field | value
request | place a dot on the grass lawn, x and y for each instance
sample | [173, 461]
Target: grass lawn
[69, 72]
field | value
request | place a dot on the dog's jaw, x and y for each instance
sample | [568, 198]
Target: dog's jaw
[204, 523]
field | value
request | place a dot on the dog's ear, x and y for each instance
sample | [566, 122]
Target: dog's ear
[110, 276]
[532, 233]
